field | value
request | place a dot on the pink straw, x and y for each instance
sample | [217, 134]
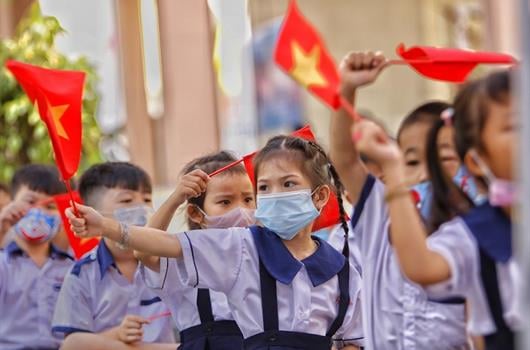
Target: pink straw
[160, 315]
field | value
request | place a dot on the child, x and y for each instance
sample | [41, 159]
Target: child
[471, 255]
[397, 313]
[286, 289]
[202, 315]
[32, 185]
[31, 268]
[103, 293]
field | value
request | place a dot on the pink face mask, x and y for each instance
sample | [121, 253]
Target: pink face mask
[237, 217]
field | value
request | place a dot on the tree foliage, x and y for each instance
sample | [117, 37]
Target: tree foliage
[23, 136]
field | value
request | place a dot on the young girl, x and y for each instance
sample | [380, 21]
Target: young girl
[226, 200]
[471, 255]
[397, 313]
[286, 289]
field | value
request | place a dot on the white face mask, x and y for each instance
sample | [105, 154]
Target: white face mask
[501, 193]
[135, 216]
[237, 217]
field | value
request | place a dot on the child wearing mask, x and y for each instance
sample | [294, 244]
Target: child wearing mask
[103, 293]
[32, 269]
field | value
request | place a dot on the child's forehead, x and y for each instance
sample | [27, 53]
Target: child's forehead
[281, 165]
[414, 136]
[25, 192]
[121, 191]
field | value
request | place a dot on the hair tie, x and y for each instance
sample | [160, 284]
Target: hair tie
[447, 116]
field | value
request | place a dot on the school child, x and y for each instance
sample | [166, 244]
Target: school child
[471, 255]
[32, 186]
[286, 289]
[397, 313]
[31, 268]
[203, 316]
[103, 293]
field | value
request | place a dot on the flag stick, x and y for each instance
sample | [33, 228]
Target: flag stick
[349, 109]
[71, 194]
[228, 166]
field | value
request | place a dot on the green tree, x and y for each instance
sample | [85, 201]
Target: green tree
[23, 136]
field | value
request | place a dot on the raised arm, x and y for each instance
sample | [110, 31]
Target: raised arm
[356, 69]
[90, 223]
[407, 232]
[189, 185]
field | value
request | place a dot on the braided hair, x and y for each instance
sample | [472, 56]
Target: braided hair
[315, 164]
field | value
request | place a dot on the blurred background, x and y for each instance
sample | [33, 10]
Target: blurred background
[153, 95]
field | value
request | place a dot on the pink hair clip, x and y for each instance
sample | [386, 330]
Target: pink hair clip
[447, 116]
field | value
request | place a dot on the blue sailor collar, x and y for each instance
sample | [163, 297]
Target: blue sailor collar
[321, 266]
[104, 258]
[492, 229]
[14, 249]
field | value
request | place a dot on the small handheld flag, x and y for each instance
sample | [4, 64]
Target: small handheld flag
[448, 64]
[58, 95]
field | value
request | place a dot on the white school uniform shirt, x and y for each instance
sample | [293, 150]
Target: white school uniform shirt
[27, 298]
[96, 297]
[396, 312]
[455, 242]
[226, 260]
[182, 299]
[336, 239]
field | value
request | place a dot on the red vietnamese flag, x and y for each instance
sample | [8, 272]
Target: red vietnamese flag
[80, 246]
[446, 64]
[302, 54]
[58, 94]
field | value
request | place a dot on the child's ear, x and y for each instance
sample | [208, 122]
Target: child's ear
[321, 196]
[195, 214]
[471, 162]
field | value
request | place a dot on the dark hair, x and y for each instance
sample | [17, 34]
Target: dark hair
[471, 109]
[112, 175]
[210, 163]
[39, 178]
[428, 112]
[314, 163]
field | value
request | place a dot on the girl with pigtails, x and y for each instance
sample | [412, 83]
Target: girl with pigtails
[286, 289]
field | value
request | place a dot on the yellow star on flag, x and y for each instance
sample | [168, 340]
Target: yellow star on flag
[57, 113]
[305, 66]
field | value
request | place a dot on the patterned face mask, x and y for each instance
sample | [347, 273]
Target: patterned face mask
[37, 226]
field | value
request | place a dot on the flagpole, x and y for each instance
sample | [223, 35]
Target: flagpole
[71, 194]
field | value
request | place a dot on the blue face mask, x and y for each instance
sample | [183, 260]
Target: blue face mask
[465, 181]
[37, 226]
[422, 194]
[286, 213]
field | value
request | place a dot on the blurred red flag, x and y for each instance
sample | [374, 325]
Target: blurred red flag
[80, 246]
[58, 94]
[302, 54]
[452, 65]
